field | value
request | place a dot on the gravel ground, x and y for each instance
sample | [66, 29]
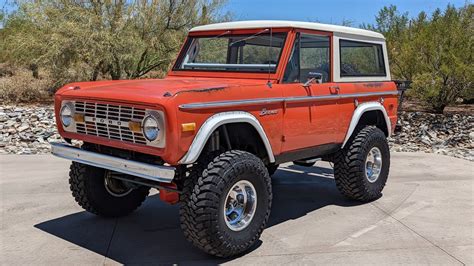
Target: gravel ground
[28, 129]
[450, 134]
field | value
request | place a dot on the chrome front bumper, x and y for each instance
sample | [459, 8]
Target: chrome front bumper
[144, 170]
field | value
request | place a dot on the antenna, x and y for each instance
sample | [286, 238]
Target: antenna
[269, 83]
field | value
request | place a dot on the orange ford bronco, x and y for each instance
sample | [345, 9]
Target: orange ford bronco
[241, 98]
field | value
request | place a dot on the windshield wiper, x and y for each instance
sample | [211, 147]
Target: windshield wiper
[249, 37]
[220, 35]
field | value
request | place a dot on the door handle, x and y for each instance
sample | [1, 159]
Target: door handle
[334, 89]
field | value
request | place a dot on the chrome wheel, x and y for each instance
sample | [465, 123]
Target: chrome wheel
[240, 205]
[116, 187]
[373, 164]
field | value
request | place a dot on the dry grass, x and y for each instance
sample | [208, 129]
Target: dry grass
[19, 86]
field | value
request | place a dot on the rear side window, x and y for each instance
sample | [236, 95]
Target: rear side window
[359, 59]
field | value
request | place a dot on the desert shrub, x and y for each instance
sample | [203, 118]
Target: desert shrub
[6, 70]
[434, 51]
[91, 40]
[23, 87]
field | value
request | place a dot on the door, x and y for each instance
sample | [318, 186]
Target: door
[308, 120]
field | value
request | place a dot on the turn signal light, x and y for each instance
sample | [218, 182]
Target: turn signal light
[187, 127]
[79, 118]
[135, 126]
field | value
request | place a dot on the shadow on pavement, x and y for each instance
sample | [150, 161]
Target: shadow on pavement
[152, 234]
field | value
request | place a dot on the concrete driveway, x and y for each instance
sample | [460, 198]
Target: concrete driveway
[426, 216]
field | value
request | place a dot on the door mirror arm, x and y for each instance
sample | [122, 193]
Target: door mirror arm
[313, 77]
[309, 82]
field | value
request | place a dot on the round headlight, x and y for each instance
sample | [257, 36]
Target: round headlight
[66, 115]
[150, 128]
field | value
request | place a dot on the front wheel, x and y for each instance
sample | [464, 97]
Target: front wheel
[229, 205]
[97, 191]
[361, 168]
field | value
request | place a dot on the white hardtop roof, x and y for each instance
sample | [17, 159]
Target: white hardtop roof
[252, 24]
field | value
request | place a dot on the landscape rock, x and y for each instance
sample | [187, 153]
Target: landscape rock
[23, 127]
[3, 117]
[28, 129]
[451, 134]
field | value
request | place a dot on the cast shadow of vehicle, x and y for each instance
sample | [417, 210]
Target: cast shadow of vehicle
[152, 234]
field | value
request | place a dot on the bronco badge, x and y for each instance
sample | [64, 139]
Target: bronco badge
[265, 112]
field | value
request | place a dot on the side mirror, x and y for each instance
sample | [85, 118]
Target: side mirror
[314, 77]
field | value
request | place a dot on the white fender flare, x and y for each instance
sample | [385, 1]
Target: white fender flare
[213, 122]
[359, 111]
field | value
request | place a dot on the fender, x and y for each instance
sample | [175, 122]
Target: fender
[359, 111]
[213, 122]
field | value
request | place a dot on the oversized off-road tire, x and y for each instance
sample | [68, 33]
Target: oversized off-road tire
[272, 168]
[97, 192]
[229, 204]
[361, 168]
[188, 183]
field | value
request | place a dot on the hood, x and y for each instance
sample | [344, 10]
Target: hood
[149, 91]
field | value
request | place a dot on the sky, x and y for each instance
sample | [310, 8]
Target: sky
[329, 11]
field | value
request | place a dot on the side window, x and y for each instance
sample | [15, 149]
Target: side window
[310, 55]
[314, 56]
[359, 59]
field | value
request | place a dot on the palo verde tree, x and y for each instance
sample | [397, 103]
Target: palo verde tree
[116, 39]
[435, 52]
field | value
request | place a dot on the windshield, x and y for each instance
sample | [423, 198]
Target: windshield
[259, 52]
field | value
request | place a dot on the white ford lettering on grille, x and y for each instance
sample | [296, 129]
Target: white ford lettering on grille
[106, 121]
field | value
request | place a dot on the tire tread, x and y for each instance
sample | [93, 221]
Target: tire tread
[199, 211]
[348, 164]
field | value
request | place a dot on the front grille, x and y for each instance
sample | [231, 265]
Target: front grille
[109, 121]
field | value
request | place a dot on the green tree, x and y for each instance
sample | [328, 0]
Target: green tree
[435, 52]
[86, 40]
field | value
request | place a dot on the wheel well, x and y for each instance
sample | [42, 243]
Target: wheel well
[373, 118]
[237, 136]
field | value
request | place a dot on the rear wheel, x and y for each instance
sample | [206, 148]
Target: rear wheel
[97, 191]
[229, 204]
[361, 168]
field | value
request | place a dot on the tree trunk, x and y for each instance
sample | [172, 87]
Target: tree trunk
[439, 109]
[97, 69]
[34, 71]
[115, 75]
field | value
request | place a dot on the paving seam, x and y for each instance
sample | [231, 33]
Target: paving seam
[329, 252]
[403, 201]
[220, 261]
[409, 228]
[110, 241]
